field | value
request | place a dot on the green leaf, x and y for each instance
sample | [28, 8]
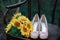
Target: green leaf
[14, 31]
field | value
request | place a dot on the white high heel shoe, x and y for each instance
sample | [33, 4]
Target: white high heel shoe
[43, 27]
[34, 33]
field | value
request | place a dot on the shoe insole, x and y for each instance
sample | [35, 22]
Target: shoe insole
[35, 26]
[44, 28]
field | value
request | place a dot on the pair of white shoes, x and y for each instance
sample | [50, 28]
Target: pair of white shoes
[40, 27]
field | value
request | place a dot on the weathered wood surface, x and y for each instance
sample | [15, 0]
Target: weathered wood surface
[54, 33]
[2, 31]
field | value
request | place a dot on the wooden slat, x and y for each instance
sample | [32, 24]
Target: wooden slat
[39, 7]
[15, 5]
[2, 27]
[53, 12]
[18, 7]
[29, 9]
[59, 22]
[5, 17]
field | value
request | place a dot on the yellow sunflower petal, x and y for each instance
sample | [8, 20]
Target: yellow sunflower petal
[16, 23]
[9, 26]
[27, 35]
[15, 15]
[29, 26]
[24, 31]
[23, 18]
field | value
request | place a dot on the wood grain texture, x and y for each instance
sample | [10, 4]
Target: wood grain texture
[53, 30]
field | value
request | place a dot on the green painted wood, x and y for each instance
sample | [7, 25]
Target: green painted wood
[24, 9]
[46, 7]
[57, 13]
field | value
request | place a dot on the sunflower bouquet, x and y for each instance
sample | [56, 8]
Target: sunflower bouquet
[19, 25]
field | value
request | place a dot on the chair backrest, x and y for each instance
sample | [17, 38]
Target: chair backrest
[12, 7]
[2, 31]
[39, 9]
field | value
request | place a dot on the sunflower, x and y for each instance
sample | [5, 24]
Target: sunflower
[22, 19]
[13, 21]
[22, 23]
[16, 23]
[25, 32]
[29, 26]
[27, 35]
[16, 15]
[9, 26]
